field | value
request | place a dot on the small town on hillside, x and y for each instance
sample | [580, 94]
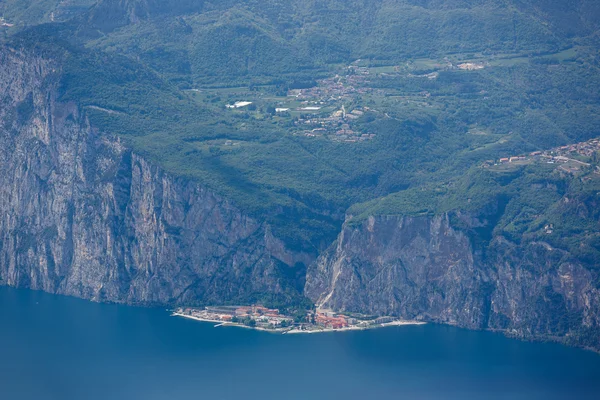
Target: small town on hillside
[333, 107]
[571, 158]
[339, 125]
[336, 127]
[346, 89]
[321, 110]
[262, 318]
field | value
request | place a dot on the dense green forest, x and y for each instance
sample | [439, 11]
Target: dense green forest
[159, 74]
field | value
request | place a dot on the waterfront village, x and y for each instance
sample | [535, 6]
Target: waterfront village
[570, 158]
[262, 318]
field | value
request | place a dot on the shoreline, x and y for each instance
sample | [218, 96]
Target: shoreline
[357, 328]
[225, 323]
[299, 331]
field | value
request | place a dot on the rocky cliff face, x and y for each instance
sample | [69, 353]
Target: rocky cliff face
[82, 215]
[424, 268]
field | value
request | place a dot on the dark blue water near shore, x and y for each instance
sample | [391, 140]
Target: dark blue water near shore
[61, 348]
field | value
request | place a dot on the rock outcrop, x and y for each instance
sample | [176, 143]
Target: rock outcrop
[82, 215]
[424, 268]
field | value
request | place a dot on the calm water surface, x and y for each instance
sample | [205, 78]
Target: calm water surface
[61, 348]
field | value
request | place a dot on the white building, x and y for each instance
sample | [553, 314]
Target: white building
[239, 104]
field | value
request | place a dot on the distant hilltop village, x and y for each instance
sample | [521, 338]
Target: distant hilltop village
[321, 110]
[571, 157]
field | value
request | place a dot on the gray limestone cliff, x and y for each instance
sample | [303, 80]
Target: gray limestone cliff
[82, 215]
[424, 268]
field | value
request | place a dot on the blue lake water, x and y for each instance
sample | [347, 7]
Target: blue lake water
[54, 347]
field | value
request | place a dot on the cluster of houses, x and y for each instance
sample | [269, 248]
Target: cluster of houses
[332, 320]
[583, 148]
[340, 89]
[262, 316]
[271, 319]
[558, 155]
[331, 90]
[336, 127]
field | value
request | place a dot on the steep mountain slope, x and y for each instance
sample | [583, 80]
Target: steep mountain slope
[523, 258]
[425, 268]
[85, 216]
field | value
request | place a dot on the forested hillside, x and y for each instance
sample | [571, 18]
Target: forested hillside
[159, 73]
